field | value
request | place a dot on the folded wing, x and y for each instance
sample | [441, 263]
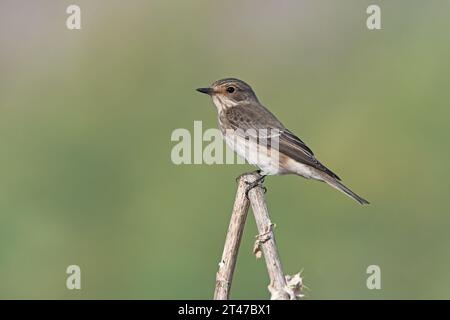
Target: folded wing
[248, 120]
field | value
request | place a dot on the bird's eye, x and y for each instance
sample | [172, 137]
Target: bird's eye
[230, 89]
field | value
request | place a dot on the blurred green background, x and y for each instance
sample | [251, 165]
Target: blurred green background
[86, 118]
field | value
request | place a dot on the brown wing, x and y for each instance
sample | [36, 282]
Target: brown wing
[292, 146]
[245, 117]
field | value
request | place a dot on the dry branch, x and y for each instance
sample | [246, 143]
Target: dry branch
[266, 241]
[230, 251]
[281, 287]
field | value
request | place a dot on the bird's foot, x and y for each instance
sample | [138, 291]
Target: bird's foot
[257, 183]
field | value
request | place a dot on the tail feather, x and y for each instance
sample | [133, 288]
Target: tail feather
[339, 186]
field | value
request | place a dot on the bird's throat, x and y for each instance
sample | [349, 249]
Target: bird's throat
[222, 102]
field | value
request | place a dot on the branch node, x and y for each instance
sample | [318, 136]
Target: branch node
[292, 290]
[262, 238]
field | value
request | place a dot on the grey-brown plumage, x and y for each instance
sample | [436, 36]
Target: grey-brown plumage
[240, 112]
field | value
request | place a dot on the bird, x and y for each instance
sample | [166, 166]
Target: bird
[257, 135]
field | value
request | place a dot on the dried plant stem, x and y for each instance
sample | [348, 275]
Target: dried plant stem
[227, 264]
[266, 240]
[281, 287]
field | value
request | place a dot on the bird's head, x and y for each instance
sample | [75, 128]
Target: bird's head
[229, 92]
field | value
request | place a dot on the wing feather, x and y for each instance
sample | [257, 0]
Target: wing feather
[246, 120]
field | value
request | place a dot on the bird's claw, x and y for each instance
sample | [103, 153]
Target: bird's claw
[257, 183]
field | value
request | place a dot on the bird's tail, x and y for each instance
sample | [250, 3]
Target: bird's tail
[339, 186]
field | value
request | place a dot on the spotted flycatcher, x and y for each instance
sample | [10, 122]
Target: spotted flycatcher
[254, 133]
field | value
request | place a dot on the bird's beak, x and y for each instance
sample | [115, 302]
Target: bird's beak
[208, 91]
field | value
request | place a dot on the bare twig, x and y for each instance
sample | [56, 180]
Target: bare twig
[281, 287]
[266, 241]
[230, 251]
